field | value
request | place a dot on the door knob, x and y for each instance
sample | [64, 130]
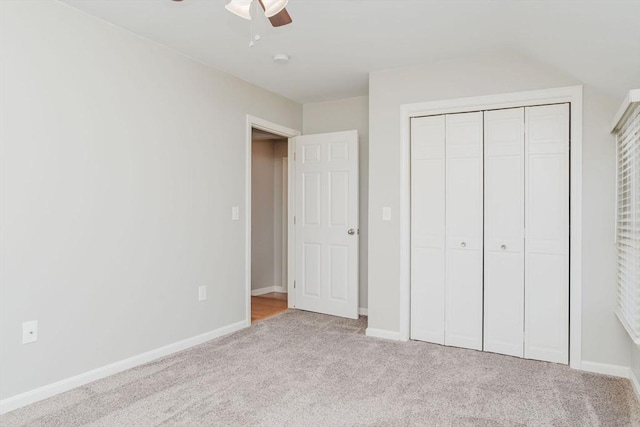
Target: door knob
[463, 244]
[351, 231]
[503, 247]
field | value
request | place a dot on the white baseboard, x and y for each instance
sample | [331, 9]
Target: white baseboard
[268, 290]
[381, 333]
[49, 390]
[363, 311]
[604, 368]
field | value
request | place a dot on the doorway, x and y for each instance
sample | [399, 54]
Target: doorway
[318, 253]
[269, 212]
[278, 294]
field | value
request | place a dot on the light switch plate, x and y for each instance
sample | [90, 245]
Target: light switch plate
[202, 293]
[30, 332]
[386, 213]
[235, 213]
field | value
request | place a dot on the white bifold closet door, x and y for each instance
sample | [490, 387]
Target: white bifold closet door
[546, 319]
[504, 231]
[490, 231]
[446, 229]
[427, 228]
[463, 230]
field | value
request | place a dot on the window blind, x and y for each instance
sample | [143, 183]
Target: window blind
[628, 222]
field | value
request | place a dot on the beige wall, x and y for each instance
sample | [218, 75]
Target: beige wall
[121, 160]
[267, 214]
[341, 115]
[603, 339]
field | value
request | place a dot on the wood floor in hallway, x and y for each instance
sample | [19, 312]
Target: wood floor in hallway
[267, 305]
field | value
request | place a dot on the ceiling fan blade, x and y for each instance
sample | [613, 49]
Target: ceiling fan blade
[279, 19]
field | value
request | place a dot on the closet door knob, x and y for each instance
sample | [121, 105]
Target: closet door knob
[463, 244]
[351, 231]
[503, 247]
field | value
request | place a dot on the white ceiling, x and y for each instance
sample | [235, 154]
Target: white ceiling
[334, 44]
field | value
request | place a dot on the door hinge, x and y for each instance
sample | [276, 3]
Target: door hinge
[294, 220]
[294, 156]
[294, 284]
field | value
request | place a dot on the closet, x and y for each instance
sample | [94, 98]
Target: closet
[490, 231]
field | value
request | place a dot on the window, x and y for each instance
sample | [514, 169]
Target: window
[628, 216]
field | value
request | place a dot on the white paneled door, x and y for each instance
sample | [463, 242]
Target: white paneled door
[464, 206]
[326, 223]
[428, 228]
[547, 233]
[504, 231]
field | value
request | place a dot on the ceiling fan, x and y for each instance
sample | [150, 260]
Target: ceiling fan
[275, 10]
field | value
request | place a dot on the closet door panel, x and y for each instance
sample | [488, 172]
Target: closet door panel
[428, 229]
[504, 232]
[464, 201]
[464, 299]
[547, 233]
[546, 309]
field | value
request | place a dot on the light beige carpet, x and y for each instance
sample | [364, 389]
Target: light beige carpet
[305, 369]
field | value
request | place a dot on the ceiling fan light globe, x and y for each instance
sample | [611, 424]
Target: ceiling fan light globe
[273, 7]
[242, 8]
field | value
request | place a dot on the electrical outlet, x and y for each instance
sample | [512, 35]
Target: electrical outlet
[235, 213]
[30, 332]
[202, 293]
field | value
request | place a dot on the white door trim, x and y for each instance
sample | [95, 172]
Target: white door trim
[571, 94]
[265, 125]
[285, 224]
